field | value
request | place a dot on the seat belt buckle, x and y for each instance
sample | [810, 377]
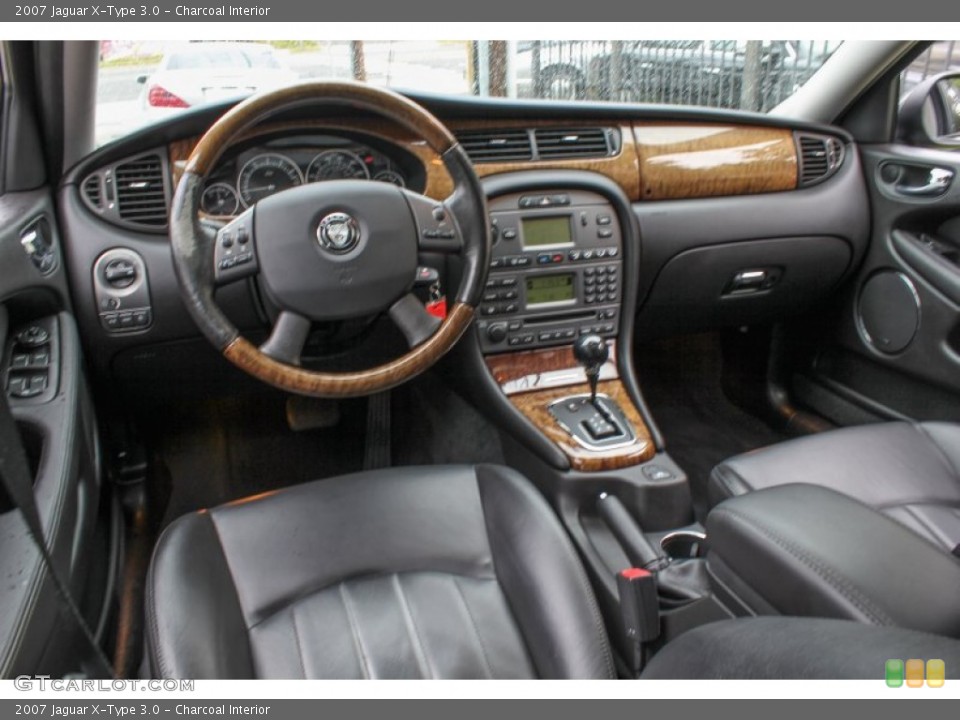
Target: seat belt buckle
[640, 612]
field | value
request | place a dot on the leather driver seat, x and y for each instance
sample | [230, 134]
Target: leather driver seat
[908, 471]
[446, 572]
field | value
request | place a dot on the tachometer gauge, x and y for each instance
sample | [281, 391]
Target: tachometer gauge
[220, 199]
[390, 176]
[265, 175]
[337, 165]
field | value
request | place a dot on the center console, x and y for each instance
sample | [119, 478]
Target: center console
[552, 365]
[556, 271]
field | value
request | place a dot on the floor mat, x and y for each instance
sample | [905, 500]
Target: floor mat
[681, 382]
[237, 446]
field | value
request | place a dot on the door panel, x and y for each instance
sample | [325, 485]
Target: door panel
[41, 374]
[894, 344]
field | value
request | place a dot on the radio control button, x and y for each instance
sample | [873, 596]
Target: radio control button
[543, 260]
[514, 341]
[497, 332]
[510, 308]
[588, 254]
[489, 310]
[603, 219]
[523, 261]
[568, 334]
[590, 298]
[527, 339]
[612, 252]
[574, 255]
[589, 281]
[509, 282]
[601, 253]
[590, 271]
[509, 295]
[497, 263]
[514, 325]
[604, 233]
[491, 296]
[508, 234]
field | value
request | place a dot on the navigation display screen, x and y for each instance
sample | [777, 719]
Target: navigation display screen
[546, 231]
[542, 289]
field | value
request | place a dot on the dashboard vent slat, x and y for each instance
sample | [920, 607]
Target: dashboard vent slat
[141, 192]
[496, 145]
[820, 157]
[555, 144]
[93, 192]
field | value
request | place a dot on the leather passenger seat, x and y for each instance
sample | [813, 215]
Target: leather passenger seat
[908, 471]
[435, 572]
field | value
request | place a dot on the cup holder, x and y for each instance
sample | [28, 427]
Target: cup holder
[684, 544]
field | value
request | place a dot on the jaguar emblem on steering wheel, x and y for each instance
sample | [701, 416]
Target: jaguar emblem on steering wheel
[338, 233]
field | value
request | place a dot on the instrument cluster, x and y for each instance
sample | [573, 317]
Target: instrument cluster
[261, 171]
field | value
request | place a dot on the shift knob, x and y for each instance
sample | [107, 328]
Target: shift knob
[592, 352]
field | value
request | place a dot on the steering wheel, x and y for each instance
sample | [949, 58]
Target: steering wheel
[332, 250]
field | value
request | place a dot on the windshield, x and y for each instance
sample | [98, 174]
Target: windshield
[141, 82]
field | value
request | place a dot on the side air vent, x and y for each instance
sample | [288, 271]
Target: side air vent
[93, 192]
[820, 157]
[141, 192]
[497, 145]
[559, 143]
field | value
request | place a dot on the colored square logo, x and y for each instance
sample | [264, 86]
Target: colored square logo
[894, 673]
[936, 673]
[915, 673]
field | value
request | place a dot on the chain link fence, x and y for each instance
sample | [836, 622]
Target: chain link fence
[748, 75]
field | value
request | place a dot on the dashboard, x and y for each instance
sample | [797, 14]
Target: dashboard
[707, 200]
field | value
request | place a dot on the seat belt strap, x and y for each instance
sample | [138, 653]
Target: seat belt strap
[16, 480]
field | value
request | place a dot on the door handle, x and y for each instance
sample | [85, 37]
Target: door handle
[937, 183]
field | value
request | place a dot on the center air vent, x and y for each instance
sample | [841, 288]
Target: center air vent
[497, 145]
[820, 157]
[555, 144]
[141, 192]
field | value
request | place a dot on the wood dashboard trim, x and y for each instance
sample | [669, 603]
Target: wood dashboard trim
[534, 402]
[696, 160]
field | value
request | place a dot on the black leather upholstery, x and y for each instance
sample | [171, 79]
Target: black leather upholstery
[785, 648]
[453, 572]
[910, 472]
[808, 551]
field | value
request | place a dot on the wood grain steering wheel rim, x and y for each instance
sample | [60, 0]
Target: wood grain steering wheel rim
[194, 243]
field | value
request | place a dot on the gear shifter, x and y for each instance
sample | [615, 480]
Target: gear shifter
[592, 352]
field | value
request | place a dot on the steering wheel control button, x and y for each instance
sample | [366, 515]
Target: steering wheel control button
[121, 289]
[234, 256]
[338, 233]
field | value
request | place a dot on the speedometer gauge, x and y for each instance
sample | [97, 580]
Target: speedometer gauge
[337, 165]
[220, 199]
[390, 176]
[265, 175]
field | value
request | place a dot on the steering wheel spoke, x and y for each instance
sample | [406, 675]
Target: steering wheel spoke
[288, 337]
[437, 230]
[235, 254]
[413, 320]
